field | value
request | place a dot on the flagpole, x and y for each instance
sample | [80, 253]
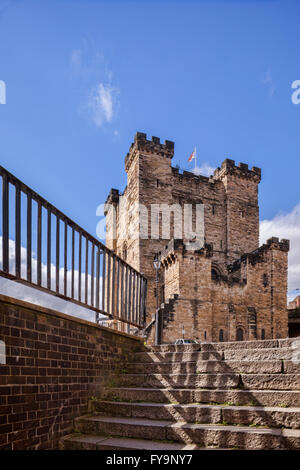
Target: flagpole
[195, 158]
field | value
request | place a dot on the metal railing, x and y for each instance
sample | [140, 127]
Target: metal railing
[44, 249]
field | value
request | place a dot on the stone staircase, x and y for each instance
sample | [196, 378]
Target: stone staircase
[239, 395]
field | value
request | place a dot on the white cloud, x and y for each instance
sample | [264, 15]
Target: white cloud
[205, 169]
[99, 95]
[286, 225]
[76, 57]
[102, 104]
[268, 81]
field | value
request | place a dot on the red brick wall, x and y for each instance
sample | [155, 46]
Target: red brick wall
[54, 364]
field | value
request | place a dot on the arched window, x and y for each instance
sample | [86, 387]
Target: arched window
[239, 334]
[221, 335]
[214, 274]
[263, 334]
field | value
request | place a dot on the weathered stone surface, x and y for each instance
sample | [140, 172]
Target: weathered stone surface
[245, 409]
[271, 382]
[191, 367]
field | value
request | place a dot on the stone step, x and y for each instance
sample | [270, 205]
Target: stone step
[210, 380]
[91, 442]
[264, 354]
[191, 367]
[178, 380]
[203, 435]
[222, 346]
[206, 414]
[280, 398]
[234, 345]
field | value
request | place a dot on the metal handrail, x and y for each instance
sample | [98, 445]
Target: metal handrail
[105, 283]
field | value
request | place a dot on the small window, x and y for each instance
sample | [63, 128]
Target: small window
[204, 334]
[263, 334]
[221, 335]
[239, 334]
[242, 213]
[214, 274]
[213, 209]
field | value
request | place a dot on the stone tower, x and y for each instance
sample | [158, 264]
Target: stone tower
[155, 191]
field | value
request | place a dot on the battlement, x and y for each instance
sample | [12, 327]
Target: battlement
[190, 175]
[153, 146]
[176, 246]
[112, 198]
[257, 256]
[241, 170]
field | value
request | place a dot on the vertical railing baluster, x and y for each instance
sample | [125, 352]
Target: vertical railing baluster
[86, 289]
[103, 280]
[118, 289]
[49, 249]
[79, 267]
[92, 275]
[108, 282]
[137, 300]
[5, 223]
[29, 237]
[98, 278]
[18, 230]
[113, 290]
[39, 244]
[126, 292]
[66, 259]
[57, 251]
[129, 297]
[73, 263]
[133, 297]
[122, 291]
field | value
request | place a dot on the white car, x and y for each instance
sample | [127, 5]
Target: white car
[185, 341]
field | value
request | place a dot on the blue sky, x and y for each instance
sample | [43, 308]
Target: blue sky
[83, 76]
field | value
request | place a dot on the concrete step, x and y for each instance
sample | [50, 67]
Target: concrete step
[257, 397]
[192, 367]
[200, 434]
[91, 442]
[206, 414]
[263, 354]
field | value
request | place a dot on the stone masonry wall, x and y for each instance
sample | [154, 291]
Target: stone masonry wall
[54, 364]
[252, 297]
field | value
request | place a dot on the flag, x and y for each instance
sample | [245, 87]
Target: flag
[192, 155]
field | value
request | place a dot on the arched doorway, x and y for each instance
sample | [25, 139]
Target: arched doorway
[239, 334]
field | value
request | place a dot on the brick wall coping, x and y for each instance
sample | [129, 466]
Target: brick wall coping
[48, 311]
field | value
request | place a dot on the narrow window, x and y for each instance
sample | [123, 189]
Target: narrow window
[263, 334]
[221, 335]
[239, 334]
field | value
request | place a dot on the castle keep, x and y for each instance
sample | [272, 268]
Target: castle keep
[229, 289]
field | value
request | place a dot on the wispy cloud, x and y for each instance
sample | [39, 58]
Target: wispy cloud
[205, 169]
[286, 225]
[103, 103]
[268, 81]
[100, 95]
